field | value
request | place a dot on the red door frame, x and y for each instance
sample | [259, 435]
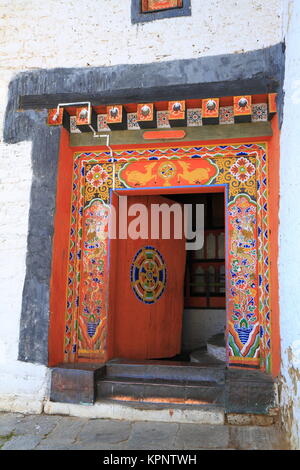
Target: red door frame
[58, 284]
[113, 263]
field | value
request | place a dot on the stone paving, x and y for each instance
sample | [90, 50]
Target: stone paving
[46, 432]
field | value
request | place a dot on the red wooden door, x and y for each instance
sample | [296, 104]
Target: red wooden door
[148, 292]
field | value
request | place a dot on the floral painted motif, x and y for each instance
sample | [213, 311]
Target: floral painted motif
[102, 123]
[194, 117]
[244, 331]
[242, 169]
[259, 112]
[97, 176]
[93, 286]
[226, 115]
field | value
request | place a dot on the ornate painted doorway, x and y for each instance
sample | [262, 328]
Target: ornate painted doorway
[85, 331]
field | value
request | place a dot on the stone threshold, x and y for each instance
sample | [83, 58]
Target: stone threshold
[108, 409]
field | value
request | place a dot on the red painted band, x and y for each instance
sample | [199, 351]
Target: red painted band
[160, 135]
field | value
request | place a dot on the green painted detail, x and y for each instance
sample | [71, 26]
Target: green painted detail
[208, 132]
[235, 349]
[242, 195]
[254, 347]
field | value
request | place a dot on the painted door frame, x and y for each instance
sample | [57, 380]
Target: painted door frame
[112, 261]
[58, 285]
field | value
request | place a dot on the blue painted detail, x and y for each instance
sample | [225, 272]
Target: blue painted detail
[261, 331]
[267, 288]
[91, 328]
[148, 275]
[243, 333]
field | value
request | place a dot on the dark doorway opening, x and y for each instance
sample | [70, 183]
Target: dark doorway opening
[204, 315]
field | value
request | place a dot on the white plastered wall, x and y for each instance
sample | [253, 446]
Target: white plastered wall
[289, 241]
[22, 385]
[56, 33]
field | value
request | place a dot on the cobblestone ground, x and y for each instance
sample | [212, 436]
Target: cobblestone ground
[42, 432]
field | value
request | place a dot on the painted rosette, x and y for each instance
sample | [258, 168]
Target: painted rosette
[148, 275]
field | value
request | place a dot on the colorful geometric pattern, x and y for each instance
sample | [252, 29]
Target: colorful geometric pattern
[73, 128]
[242, 168]
[226, 115]
[163, 119]
[259, 112]
[148, 275]
[102, 124]
[194, 117]
[132, 123]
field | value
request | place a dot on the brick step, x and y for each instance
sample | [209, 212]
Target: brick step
[167, 370]
[158, 391]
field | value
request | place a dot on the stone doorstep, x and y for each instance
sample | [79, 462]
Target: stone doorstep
[109, 409]
[246, 392]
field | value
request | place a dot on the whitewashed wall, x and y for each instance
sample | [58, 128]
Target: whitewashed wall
[22, 386]
[289, 243]
[76, 33]
[56, 33]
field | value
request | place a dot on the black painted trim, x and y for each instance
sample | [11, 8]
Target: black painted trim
[138, 17]
[254, 72]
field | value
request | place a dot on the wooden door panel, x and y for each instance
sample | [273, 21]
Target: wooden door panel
[148, 326]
